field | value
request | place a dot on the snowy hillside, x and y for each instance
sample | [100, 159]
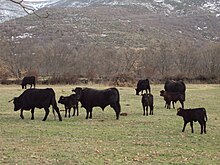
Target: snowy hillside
[8, 10]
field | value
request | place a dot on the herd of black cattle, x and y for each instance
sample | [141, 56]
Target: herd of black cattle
[43, 98]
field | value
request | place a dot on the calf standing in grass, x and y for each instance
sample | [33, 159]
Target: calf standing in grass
[172, 97]
[195, 114]
[147, 100]
[70, 102]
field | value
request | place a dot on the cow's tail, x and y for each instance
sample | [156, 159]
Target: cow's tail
[205, 115]
[118, 100]
[118, 104]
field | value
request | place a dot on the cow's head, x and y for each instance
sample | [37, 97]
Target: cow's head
[180, 111]
[17, 103]
[137, 91]
[78, 92]
[162, 92]
[61, 100]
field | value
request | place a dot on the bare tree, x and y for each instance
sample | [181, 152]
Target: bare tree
[29, 10]
[164, 58]
[211, 59]
[185, 58]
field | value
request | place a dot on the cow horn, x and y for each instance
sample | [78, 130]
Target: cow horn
[11, 100]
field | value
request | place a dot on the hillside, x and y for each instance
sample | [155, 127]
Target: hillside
[116, 26]
[125, 31]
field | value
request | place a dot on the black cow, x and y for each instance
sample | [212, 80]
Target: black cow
[70, 102]
[175, 86]
[147, 100]
[28, 80]
[90, 98]
[143, 85]
[36, 98]
[172, 97]
[195, 114]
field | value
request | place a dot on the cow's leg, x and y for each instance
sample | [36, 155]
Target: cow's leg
[58, 112]
[69, 111]
[202, 126]
[74, 111]
[87, 113]
[184, 126]
[77, 110]
[173, 104]
[32, 114]
[46, 113]
[21, 114]
[151, 109]
[168, 104]
[182, 104]
[143, 109]
[90, 113]
[65, 111]
[147, 110]
[117, 109]
[191, 124]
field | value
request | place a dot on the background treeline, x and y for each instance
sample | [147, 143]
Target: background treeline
[58, 62]
[115, 45]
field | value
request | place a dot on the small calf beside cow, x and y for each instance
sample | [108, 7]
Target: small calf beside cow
[70, 102]
[172, 97]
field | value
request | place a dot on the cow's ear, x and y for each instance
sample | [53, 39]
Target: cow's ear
[11, 100]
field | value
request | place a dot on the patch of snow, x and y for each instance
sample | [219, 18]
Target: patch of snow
[24, 35]
[159, 1]
[198, 28]
[103, 35]
[30, 27]
[212, 6]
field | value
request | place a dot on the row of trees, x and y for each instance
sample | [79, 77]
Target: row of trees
[157, 61]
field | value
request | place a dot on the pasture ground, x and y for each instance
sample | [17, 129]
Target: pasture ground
[133, 139]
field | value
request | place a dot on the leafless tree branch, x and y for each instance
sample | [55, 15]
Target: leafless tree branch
[29, 10]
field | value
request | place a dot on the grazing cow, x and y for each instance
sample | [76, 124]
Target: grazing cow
[28, 80]
[147, 100]
[195, 114]
[70, 102]
[90, 98]
[143, 85]
[172, 97]
[36, 98]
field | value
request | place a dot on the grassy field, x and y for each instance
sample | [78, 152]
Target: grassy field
[133, 139]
